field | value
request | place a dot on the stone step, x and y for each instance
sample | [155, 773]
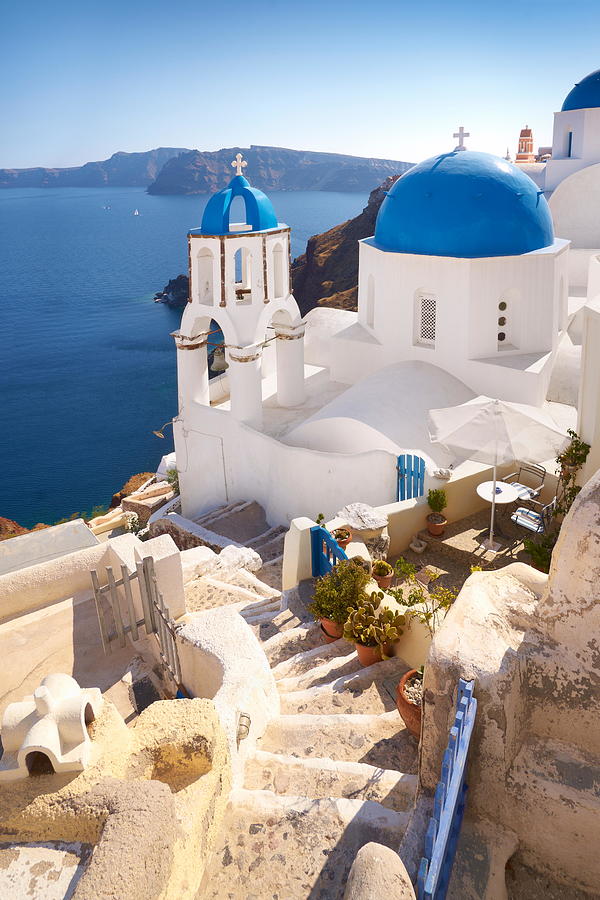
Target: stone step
[379, 740]
[293, 848]
[266, 536]
[271, 572]
[323, 666]
[207, 592]
[242, 524]
[369, 690]
[287, 642]
[244, 578]
[269, 550]
[306, 660]
[213, 514]
[322, 778]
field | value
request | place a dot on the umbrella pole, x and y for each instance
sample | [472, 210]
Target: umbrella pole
[493, 512]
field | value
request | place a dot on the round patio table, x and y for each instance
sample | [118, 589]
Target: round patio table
[505, 493]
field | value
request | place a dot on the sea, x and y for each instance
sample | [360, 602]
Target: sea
[87, 364]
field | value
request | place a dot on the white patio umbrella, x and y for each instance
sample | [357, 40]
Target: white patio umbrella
[496, 432]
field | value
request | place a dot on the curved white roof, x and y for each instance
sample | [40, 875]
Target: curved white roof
[385, 411]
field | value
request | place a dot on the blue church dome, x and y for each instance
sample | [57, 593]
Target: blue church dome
[260, 214]
[585, 94]
[464, 204]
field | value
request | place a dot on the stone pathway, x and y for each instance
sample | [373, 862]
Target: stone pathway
[335, 770]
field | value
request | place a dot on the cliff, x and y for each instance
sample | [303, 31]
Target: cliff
[175, 292]
[121, 170]
[327, 274]
[274, 168]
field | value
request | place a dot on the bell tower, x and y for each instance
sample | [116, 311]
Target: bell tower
[525, 152]
[240, 279]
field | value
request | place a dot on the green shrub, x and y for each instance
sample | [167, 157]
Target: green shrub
[173, 479]
[403, 570]
[540, 550]
[338, 592]
[436, 500]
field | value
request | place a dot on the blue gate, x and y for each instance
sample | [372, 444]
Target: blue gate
[326, 552]
[449, 802]
[411, 477]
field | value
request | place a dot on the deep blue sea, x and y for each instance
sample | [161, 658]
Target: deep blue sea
[87, 366]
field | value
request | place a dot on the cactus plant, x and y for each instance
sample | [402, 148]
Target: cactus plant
[371, 628]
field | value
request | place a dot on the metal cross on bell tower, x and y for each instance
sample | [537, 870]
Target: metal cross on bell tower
[461, 134]
[240, 164]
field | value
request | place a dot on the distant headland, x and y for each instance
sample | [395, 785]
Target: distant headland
[169, 170]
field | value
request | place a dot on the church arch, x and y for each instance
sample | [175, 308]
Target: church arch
[242, 265]
[371, 301]
[279, 281]
[205, 276]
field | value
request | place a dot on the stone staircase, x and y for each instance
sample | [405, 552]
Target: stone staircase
[245, 523]
[335, 770]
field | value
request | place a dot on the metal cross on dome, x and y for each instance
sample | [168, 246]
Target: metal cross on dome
[461, 134]
[239, 164]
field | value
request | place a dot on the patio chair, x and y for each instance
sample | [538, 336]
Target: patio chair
[535, 520]
[528, 480]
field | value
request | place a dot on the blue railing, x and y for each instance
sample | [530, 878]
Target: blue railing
[449, 802]
[326, 552]
[411, 477]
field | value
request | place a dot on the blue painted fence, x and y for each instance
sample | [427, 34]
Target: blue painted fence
[326, 552]
[449, 802]
[411, 477]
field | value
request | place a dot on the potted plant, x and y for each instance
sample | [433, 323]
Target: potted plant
[427, 607]
[342, 536]
[373, 632]
[382, 573]
[573, 456]
[335, 594]
[436, 522]
[409, 700]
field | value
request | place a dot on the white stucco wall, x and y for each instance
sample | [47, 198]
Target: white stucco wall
[574, 205]
[46, 544]
[467, 295]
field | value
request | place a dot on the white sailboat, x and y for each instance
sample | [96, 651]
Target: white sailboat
[136, 212]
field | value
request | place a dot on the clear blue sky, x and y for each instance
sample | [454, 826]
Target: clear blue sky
[373, 78]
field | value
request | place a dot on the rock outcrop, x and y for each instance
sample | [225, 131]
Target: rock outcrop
[274, 168]
[121, 170]
[327, 274]
[175, 292]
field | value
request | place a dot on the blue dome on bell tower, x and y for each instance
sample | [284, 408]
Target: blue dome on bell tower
[260, 215]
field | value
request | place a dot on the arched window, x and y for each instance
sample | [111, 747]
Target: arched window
[371, 302]
[425, 318]
[204, 276]
[243, 275]
[278, 272]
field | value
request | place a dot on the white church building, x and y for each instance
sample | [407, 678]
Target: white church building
[463, 291]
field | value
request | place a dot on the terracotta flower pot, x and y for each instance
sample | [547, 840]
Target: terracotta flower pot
[384, 581]
[368, 655]
[331, 630]
[343, 543]
[434, 526]
[409, 711]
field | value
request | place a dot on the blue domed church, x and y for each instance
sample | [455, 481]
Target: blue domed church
[464, 272]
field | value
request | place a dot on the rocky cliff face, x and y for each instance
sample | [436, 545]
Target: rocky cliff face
[121, 170]
[327, 274]
[274, 168]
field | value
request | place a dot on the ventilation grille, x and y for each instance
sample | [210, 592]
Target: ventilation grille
[427, 320]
